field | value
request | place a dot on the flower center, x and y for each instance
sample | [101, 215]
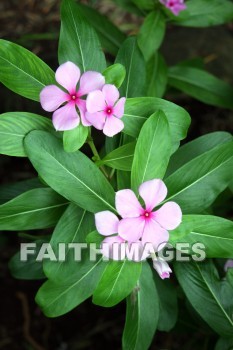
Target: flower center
[109, 110]
[146, 214]
[73, 97]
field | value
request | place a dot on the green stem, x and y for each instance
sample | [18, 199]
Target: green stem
[96, 154]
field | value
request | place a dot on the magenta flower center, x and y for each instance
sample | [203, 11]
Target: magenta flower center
[146, 214]
[109, 110]
[74, 97]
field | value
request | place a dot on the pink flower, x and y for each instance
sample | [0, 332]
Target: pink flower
[228, 264]
[175, 6]
[162, 267]
[52, 97]
[104, 110]
[144, 223]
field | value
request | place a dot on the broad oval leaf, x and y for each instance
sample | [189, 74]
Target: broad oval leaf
[73, 175]
[74, 139]
[153, 150]
[197, 184]
[115, 74]
[120, 158]
[202, 286]
[78, 41]
[142, 313]
[157, 76]
[137, 111]
[14, 126]
[22, 71]
[214, 232]
[131, 58]
[117, 282]
[26, 213]
[201, 85]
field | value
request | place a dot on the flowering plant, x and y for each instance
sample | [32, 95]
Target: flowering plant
[139, 195]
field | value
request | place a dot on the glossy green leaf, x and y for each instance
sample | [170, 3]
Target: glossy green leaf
[78, 41]
[214, 232]
[22, 71]
[168, 308]
[142, 313]
[35, 209]
[121, 158]
[144, 4]
[151, 33]
[202, 286]
[75, 138]
[201, 85]
[205, 13]
[115, 74]
[56, 299]
[156, 76]
[195, 148]
[153, 150]
[109, 35]
[123, 179]
[131, 58]
[14, 126]
[117, 282]
[197, 184]
[73, 227]
[137, 110]
[73, 175]
[30, 269]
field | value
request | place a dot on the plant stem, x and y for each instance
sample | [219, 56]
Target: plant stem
[96, 155]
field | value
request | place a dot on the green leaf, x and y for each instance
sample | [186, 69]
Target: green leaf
[151, 33]
[14, 126]
[75, 138]
[153, 150]
[22, 71]
[118, 280]
[209, 296]
[144, 4]
[56, 299]
[73, 175]
[195, 148]
[156, 76]
[137, 110]
[205, 13]
[224, 344]
[142, 313]
[131, 58]
[128, 6]
[73, 227]
[30, 269]
[10, 191]
[36, 209]
[168, 308]
[121, 158]
[214, 232]
[109, 35]
[115, 74]
[197, 184]
[201, 85]
[78, 41]
[123, 180]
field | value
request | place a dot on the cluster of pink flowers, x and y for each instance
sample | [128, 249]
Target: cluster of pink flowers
[103, 108]
[140, 224]
[175, 6]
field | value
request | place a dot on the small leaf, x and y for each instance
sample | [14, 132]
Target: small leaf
[74, 139]
[121, 158]
[115, 74]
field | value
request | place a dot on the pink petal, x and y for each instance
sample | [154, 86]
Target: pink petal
[169, 216]
[95, 102]
[67, 75]
[119, 108]
[111, 94]
[162, 267]
[90, 81]
[81, 104]
[106, 223]
[111, 247]
[177, 8]
[155, 234]
[112, 126]
[131, 229]
[127, 204]
[153, 192]
[66, 118]
[96, 119]
[51, 97]
[228, 264]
